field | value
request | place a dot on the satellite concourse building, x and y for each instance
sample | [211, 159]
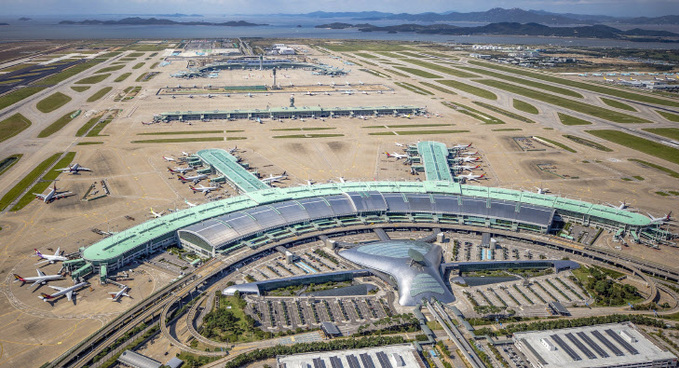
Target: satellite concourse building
[613, 345]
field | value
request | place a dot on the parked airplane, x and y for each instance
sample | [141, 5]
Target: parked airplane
[169, 158]
[469, 153]
[186, 154]
[155, 214]
[310, 182]
[622, 205]
[53, 195]
[273, 178]
[181, 170]
[468, 159]
[189, 203]
[656, 220]
[73, 169]
[395, 155]
[40, 279]
[462, 146]
[203, 189]
[470, 177]
[68, 291]
[466, 167]
[341, 179]
[115, 297]
[542, 190]
[195, 179]
[399, 144]
[308, 93]
[50, 258]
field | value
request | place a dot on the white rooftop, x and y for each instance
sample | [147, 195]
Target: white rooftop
[399, 356]
[590, 346]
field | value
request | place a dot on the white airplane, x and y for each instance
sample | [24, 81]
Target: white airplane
[155, 214]
[467, 167]
[470, 153]
[53, 194]
[195, 179]
[168, 158]
[399, 144]
[273, 178]
[395, 155]
[189, 203]
[462, 146]
[469, 159]
[660, 220]
[40, 279]
[186, 154]
[348, 92]
[471, 177]
[233, 150]
[308, 93]
[73, 169]
[203, 189]
[68, 291]
[50, 258]
[310, 183]
[542, 190]
[115, 297]
[341, 179]
[180, 170]
[622, 205]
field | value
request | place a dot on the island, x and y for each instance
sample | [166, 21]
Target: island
[157, 22]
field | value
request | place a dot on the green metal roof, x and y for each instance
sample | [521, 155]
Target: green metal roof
[435, 159]
[118, 244]
[228, 165]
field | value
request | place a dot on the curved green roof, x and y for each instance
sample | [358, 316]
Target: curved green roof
[114, 246]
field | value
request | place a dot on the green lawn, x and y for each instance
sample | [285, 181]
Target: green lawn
[364, 55]
[617, 104]
[56, 126]
[52, 102]
[588, 143]
[101, 93]
[526, 82]
[110, 69]
[476, 114]
[418, 72]
[669, 116]
[558, 144]
[154, 65]
[419, 132]
[88, 143]
[586, 86]
[21, 186]
[442, 69]
[582, 107]
[504, 112]
[12, 126]
[186, 132]
[438, 88]
[80, 88]
[469, 89]
[404, 126]
[308, 136]
[92, 128]
[301, 129]
[11, 98]
[413, 88]
[640, 144]
[667, 171]
[135, 54]
[671, 133]
[359, 45]
[572, 120]
[122, 77]
[8, 162]
[138, 65]
[45, 182]
[525, 107]
[93, 79]
[184, 140]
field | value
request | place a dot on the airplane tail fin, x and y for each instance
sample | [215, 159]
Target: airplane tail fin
[669, 216]
[170, 170]
[45, 297]
[388, 154]
[192, 188]
[37, 253]
[284, 173]
[181, 177]
[19, 278]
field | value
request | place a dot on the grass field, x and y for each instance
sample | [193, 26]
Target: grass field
[364, 55]
[358, 45]
[640, 144]
[617, 104]
[391, 55]
[671, 133]
[92, 126]
[45, 182]
[80, 88]
[186, 132]
[138, 65]
[375, 73]
[110, 69]
[302, 136]
[667, 171]
[443, 69]
[526, 82]
[504, 112]
[476, 114]
[588, 143]
[56, 126]
[184, 140]
[27, 180]
[480, 92]
[582, 107]
[12, 126]
[154, 65]
[506, 129]
[88, 143]
[122, 77]
[404, 126]
[586, 86]
[52, 102]
[99, 94]
[558, 144]
[396, 72]
[525, 107]
[93, 79]
[135, 54]
[438, 88]
[11, 98]
[301, 129]
[669, 116]
[8, 162]
[413, 88]
[418, 72]
[419, 132]
[145, 77]
[572, 120]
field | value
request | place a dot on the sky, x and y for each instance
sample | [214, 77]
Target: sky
[631, 8]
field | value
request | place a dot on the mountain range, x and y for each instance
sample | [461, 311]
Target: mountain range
[157, 21]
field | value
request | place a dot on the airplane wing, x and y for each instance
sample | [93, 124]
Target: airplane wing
[35, 283]
[40, 273]
[84, 169]
[69, 295]
[64, 169]
[43, 261]
[59, 289]
[41, 196]
[58, 252]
